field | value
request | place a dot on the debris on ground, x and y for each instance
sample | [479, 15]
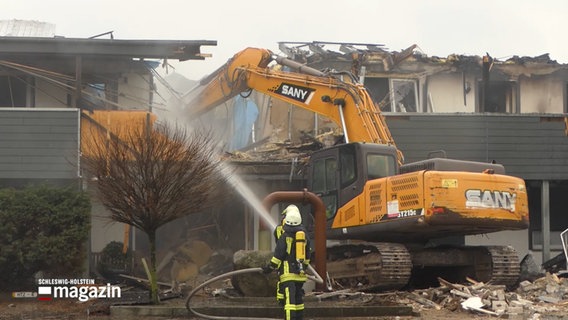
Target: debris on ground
[547, 295]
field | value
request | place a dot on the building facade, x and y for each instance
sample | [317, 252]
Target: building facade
[53, 91]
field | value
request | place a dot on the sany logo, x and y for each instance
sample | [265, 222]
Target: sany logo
[298, 93]
[490, 199]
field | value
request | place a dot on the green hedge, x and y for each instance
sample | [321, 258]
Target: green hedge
[42, 229]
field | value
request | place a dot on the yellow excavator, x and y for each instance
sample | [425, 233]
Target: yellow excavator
[386, 214]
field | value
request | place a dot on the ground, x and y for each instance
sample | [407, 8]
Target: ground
[12, 309]
[31, 308]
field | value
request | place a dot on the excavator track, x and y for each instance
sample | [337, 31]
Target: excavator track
[503, 268]
[390, 266]
[490, 264]
[370, 266]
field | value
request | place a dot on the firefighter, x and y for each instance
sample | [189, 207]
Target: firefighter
[291, 258]
[278, 231]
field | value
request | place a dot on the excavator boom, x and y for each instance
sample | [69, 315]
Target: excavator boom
[346, 103]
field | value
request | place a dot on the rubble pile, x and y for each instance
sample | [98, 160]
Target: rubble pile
[273, 149]
[545, 296]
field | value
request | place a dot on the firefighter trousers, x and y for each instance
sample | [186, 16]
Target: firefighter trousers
[293, 299]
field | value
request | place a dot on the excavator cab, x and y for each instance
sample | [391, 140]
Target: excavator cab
[339, 173]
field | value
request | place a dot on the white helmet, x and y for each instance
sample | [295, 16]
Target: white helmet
[291, 208]
[293, 216]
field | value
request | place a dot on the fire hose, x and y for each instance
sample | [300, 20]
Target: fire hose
[313, 276]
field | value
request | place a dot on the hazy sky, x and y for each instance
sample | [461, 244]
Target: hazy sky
[438, 27]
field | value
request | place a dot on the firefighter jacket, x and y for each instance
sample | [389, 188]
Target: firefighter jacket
[278, 231]
[284, 258]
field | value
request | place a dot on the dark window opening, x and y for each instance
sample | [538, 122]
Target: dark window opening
[12, 92]
[379, 90]
[496, 97]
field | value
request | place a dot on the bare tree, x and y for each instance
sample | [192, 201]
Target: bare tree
[149, 177]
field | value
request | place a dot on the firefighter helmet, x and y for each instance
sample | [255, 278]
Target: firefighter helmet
[293, 216]
[290, 207]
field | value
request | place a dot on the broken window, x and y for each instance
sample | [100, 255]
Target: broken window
[404, 95]
[394, 95]
[497, 96]
[12, 92]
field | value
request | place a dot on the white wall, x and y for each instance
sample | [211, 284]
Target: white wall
[448, 94]
[542, 95]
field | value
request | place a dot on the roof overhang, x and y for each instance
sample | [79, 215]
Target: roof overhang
[144, 49]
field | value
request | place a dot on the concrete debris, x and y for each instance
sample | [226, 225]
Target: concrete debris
[530, 270]
[546, 296]
[268, 150]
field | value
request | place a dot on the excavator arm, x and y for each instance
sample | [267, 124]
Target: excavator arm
[335, 96]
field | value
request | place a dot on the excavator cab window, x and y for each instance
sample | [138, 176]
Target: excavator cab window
[348, 169]
[324, 183]
[380, 166]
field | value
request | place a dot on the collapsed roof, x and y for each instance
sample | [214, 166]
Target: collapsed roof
[378, 60]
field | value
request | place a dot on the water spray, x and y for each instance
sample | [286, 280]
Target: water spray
[246, 193]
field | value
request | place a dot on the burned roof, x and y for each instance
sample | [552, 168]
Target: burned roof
[379, 60]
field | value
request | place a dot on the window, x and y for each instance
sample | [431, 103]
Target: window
[12, 92]
[394, 95]
[324, 184]
[324, 175]
[404, 96]
[380, 166]
[497, 97]
[348, 169]
[379, 90]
